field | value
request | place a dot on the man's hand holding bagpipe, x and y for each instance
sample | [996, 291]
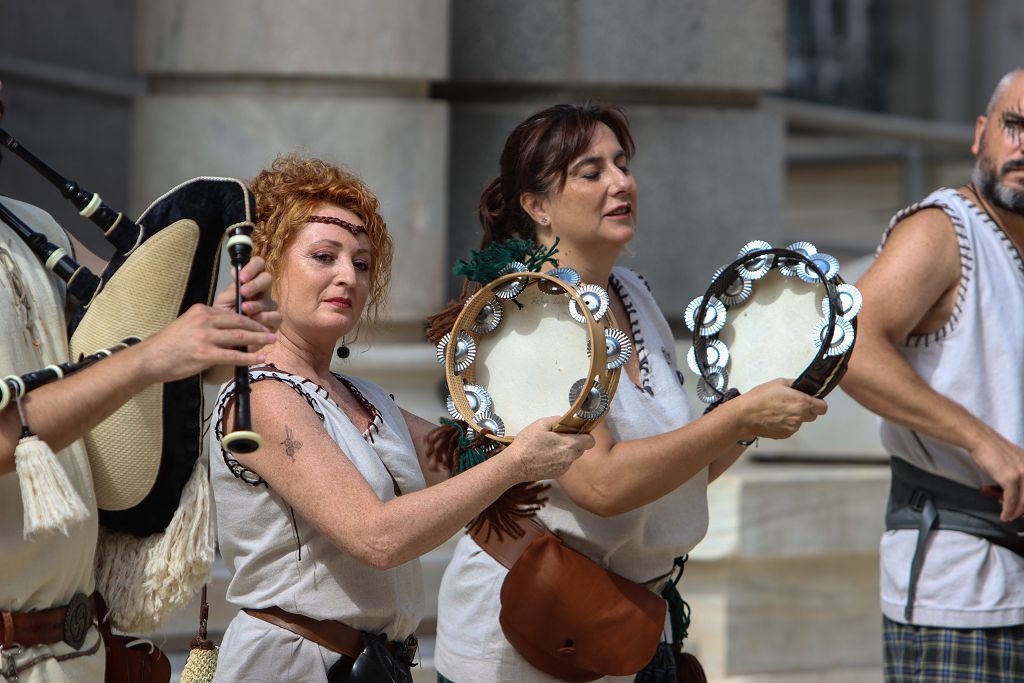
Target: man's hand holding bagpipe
[203, 337]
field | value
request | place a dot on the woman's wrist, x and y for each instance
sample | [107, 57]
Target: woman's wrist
[743, 432]
[510, 469]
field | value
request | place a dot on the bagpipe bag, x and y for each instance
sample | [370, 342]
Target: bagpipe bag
[156, 542]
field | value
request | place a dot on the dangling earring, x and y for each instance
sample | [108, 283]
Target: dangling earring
[343, 350]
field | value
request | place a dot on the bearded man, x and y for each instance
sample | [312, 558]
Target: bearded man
[939, 355]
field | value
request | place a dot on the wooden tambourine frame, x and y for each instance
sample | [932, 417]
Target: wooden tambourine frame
[598, 370]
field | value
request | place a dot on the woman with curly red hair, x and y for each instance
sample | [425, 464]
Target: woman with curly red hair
[322, 527]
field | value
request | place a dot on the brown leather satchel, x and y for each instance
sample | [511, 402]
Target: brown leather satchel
[134, 664]
[688, 669]
[127, 663]
[573, 619]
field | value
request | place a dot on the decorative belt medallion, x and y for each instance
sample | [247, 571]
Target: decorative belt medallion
[77, 621]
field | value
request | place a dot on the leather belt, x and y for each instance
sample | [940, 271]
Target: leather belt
[506, 550]
[68, 624]
[333, 635]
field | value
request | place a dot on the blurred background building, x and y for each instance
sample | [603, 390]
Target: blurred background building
[768, 119]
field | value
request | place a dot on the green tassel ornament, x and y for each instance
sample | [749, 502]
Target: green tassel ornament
[469, 452]
[486, 264]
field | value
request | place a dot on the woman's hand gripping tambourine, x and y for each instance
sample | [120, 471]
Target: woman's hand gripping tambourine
[524, 348]
[773, 313]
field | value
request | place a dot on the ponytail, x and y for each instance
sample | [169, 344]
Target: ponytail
[491, 212]
[501, 216]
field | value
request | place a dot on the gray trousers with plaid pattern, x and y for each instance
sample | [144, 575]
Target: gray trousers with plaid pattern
[926, 654]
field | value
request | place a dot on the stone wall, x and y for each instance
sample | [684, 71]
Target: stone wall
[233, 84]
[709, 160]
[68, 87]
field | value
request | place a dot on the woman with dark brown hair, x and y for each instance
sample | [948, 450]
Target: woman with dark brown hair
[637, 500]
[322, 527]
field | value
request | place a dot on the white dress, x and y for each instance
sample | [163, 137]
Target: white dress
[276, 558]
[50, 570]
[639, 545]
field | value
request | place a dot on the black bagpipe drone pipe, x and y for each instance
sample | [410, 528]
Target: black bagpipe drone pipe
[165, 262]
[14, 387]
[81, 282]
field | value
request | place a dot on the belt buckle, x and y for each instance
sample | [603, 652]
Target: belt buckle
[77, 620]
[8, 661]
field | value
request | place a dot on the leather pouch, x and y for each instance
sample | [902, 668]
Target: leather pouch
[138, 663]
[375, 664]
[575, 620]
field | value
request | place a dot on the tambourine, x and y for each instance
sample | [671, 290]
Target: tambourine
[531, 344]
[773, 313]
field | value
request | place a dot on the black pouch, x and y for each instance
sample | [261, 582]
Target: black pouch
[375, 664]
[661, 669]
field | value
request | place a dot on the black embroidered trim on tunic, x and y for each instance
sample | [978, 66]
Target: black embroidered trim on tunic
[375, 414]
[643, 362]
[966, 267]
[238, 469]
[643, 280]
[666, 354]
[998, 229]
[248, 476]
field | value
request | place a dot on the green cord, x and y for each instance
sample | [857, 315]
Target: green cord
[678, 609]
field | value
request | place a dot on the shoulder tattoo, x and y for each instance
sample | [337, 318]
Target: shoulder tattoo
[290, 443]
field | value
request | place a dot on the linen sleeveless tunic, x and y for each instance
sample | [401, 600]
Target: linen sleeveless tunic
[276, 558]
[640, 544]
[975, 360]
[48, 571]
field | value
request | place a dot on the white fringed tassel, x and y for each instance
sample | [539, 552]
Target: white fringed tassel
[50, 501]
[145, 580]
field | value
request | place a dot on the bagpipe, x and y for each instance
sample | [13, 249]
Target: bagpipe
[144, 457]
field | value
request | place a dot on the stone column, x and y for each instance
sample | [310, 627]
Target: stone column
[784, 588]
[68, 87]
[709, 160]
[232, 84]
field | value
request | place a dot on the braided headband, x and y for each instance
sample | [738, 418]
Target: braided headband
[351, 227]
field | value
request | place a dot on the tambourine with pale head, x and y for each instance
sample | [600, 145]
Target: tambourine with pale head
[528, 345]
[773, 313]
